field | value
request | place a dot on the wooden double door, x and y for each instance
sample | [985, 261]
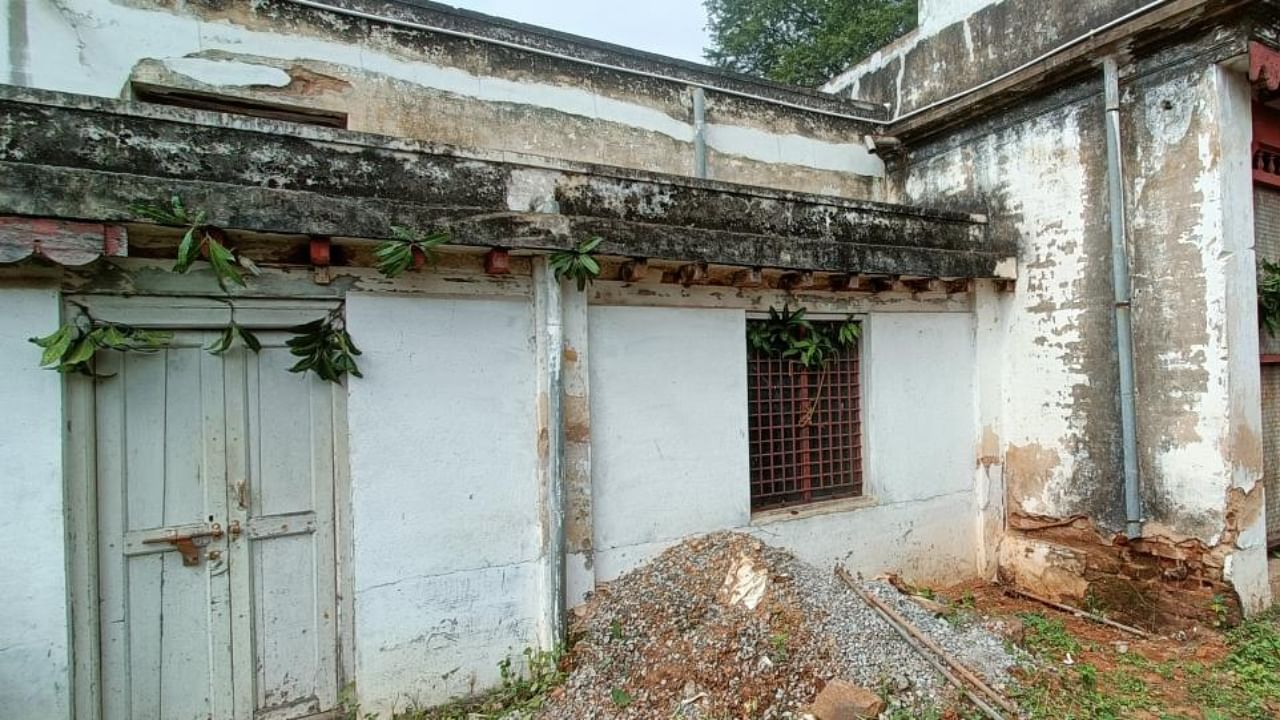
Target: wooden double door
[216, 582]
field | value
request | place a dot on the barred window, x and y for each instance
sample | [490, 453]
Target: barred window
[805, 428]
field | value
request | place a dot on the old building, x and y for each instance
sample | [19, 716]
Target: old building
[193, 534]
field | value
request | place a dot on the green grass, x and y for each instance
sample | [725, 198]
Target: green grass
[1245, 685]
[1047, 637]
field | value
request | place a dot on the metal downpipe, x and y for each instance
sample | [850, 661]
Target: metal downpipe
[550, 341]
[1123, 295]
[699, 132]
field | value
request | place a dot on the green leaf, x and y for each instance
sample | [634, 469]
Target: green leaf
[221, 259]
[250, 340]
[325, 348]
[56, 344]
[590, 245]
[394, 257]
[188, 250]
[223, 343]
[80, 353]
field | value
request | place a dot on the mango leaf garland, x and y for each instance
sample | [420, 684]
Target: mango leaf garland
[324, 347]
[394, 256]
[228, 265]
[577, 264]
[72, 346]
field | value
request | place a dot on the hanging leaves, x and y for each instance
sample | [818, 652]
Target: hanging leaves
[325, 348]
[789, 334]
[1269, 296]
[228, 265]
[72, 346]
[394, 256]
[577, 264]
[228, 338]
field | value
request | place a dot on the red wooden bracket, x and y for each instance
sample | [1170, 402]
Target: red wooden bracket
[65, 243]
[320, 250]
[1269, 359]
[497, 262]
[1264, 67]
[634, 270]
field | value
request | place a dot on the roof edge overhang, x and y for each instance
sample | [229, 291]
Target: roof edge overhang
[87, 159]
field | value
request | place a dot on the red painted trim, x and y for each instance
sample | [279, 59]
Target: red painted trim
[1268, 359]
[63, 242]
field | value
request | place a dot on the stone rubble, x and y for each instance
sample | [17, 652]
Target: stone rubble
[725, 626]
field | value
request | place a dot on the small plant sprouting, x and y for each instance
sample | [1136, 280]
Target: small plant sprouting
[325, 348]
[577, 264]
[621, 698]
[395, 255]
[72, 346]
[778, 642]
[1221, 612]
[228, 265]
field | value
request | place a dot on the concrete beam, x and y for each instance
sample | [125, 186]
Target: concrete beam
[67, 156]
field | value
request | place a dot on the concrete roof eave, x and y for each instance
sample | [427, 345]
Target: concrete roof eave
[87, 159]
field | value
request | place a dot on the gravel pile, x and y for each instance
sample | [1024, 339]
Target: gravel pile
[726, 626]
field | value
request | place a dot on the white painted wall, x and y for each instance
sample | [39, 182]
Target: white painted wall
[934, 15]
[670, 455]
[668, 429]
[34, 637]
[445, 503]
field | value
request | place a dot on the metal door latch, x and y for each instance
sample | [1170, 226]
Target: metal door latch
[185, 543]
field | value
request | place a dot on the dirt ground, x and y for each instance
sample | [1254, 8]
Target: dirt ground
[1078, 669]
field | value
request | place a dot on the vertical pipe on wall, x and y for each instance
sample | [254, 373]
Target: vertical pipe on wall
[699, 132]
[549, 337]
[1123, 300]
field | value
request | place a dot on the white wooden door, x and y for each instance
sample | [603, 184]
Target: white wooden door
[217, 586]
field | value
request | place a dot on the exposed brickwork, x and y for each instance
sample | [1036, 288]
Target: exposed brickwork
[1153, 582]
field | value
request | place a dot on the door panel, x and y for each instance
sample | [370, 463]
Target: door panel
[160, 450]
[240, 623]
[289, 539]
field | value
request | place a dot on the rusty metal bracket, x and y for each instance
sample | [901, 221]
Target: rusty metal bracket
[185, 544]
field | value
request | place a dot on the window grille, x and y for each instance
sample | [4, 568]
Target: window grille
[805, 429]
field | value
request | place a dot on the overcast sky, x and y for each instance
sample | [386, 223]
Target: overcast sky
[670, 27]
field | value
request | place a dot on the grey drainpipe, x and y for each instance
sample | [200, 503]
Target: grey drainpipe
[699, 133]
[554, 351]
[1123, 301]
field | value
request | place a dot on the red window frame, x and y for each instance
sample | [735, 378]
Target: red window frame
[804, 429]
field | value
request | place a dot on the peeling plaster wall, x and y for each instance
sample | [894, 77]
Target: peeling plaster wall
[445, 511]
[961, 43]
[414, 84]
[35, 653]
[670, 455]
[1041, 171]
